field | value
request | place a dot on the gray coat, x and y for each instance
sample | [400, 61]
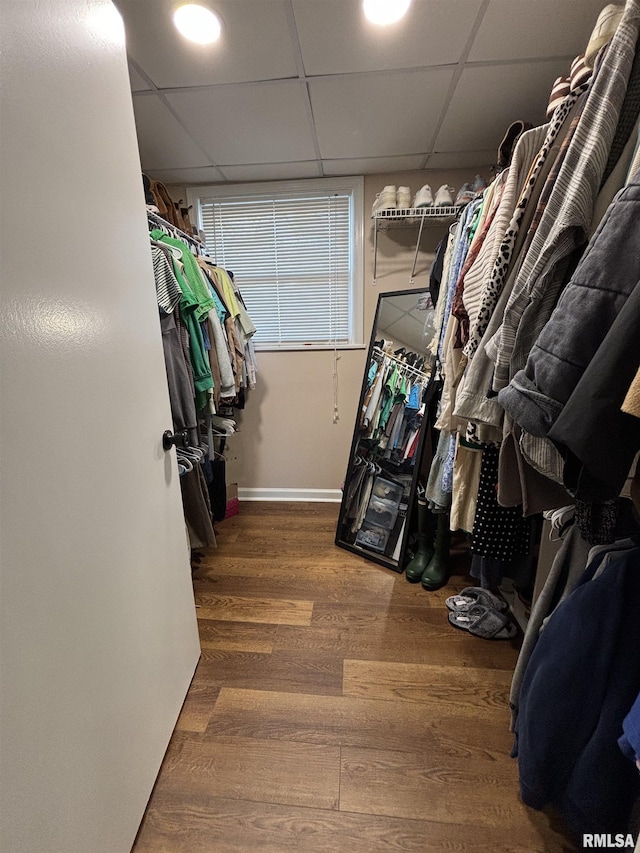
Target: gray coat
[603, 281]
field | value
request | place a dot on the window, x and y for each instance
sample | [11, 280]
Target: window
[296, 248]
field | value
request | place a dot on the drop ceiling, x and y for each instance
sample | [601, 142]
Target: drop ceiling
[306, 88]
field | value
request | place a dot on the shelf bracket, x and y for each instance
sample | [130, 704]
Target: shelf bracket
[406, 217]
[375, 252]
[415, 257]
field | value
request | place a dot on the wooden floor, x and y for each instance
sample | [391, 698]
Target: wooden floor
[335, 709]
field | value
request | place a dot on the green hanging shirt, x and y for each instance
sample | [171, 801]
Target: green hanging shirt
[189, 308]
[192, 273]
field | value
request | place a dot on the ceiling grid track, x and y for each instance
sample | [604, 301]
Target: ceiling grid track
[165, 101]
[297, 51]
[456, 77]
[437, 70]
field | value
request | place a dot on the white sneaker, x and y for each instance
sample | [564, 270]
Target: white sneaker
[403, 198]
[386, 200]
[423, 198]
[444, 197]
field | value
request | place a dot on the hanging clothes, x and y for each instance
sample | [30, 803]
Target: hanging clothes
[537, 218]
[191, 272]
[498, 532]
[586, 310]
[205, 367]
[180, 382]
[567, 216]
[581, 680]
[390, 426]
[192, 312]
[197, 509]
[538, 313]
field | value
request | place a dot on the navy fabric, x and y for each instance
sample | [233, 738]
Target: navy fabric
[581, 680]
[629, 742]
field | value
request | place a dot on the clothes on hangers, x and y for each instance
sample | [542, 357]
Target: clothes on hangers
[191, 312]
[578, 325]
[567, 216]
[538, 312]
[191, 272]
[390, 428]
[197, 509]
[498, 532]
[566, 570]
[206, 340]
[581, 680]
[537, 217]
[394, 389]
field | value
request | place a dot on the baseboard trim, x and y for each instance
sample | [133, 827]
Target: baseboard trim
[309, 495]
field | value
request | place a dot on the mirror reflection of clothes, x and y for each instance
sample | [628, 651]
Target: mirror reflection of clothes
[394, 429]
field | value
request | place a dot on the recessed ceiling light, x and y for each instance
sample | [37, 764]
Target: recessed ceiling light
[197, 23]
[385, 11]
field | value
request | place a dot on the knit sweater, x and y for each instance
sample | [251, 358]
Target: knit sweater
[567, 217]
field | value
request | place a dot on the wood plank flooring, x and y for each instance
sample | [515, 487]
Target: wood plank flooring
[335, 709]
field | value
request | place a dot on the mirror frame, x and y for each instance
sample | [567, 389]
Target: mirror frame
[374, 556]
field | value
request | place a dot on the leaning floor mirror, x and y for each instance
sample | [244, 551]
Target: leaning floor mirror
[387, 446]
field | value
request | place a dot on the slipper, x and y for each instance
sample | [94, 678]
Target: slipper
[471, 595]
[484, 622]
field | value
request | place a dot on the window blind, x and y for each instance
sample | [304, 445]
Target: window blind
[293, 258]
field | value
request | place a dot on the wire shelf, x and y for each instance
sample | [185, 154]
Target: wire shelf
[409, 216]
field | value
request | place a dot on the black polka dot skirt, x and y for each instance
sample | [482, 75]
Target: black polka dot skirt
[498, 532]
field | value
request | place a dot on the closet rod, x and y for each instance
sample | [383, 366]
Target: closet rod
[156, 219]
[405, 365]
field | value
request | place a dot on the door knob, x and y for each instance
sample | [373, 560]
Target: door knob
[174, 439]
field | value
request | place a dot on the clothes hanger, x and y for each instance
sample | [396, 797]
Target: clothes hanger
[186, 463]
[174, 250]
[193, 453]
[157, 222]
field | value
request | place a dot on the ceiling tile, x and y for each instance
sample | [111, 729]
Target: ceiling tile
[387, 314]
[521, 30]
[394, 113]
[255, 44]
[201, 175]
[461, 159]
[272, 171]
[163, 143]
[489, 98]
[138, 83]
[260, 123]
[372, 165]
[381, 118]
[409, 330]
[335, 37]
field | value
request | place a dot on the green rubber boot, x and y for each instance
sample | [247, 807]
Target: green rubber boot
[436, 573]
[426, 529]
